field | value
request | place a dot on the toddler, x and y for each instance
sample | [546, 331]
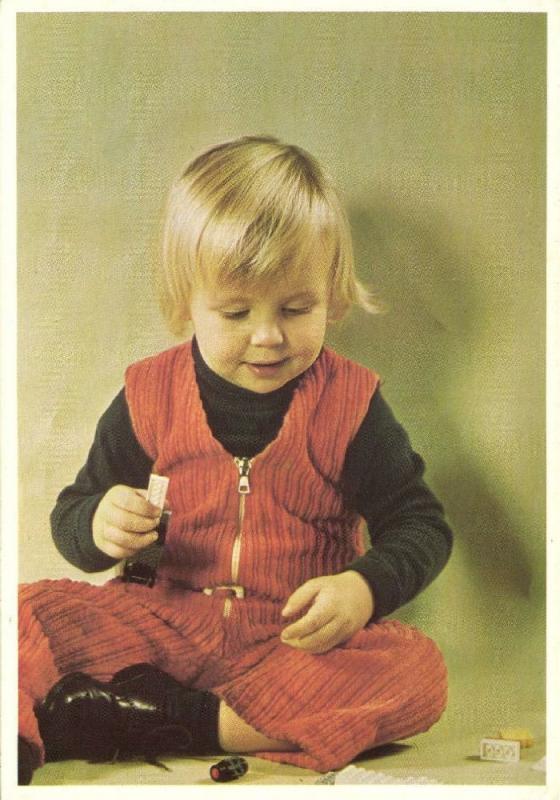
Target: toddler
[258, 626]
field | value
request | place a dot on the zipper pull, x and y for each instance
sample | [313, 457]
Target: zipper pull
[243, 465]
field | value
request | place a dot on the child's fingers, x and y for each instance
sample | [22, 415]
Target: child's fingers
[321, 640]
[123, 544]
[315, 619]
[130, 522]
[144, 493]
[300, 598]
[134, 501]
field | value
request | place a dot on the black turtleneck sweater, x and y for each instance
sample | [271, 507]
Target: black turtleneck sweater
[382, 480]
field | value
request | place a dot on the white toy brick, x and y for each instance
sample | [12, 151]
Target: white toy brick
[157, 489]
[499, 750]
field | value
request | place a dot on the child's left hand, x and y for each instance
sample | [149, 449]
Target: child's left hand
[340, 606]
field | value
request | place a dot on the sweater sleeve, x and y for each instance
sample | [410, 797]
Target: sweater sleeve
[115, 457]
[383, 481]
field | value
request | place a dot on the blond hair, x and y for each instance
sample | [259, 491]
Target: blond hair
[243, 211]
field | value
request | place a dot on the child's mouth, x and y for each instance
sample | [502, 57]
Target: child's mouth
[266, 369]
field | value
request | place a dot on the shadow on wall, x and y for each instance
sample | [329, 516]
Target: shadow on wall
[426, 347]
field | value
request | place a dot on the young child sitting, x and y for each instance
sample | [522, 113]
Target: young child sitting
[264, 629]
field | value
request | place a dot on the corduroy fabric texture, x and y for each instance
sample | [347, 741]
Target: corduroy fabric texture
[294, 524]
[387, 682]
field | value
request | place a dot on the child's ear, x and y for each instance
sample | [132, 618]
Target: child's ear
[186, 311]
[183, 323]
[335, 312]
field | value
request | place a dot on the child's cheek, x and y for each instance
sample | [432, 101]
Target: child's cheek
[231, 350]
[312, 331]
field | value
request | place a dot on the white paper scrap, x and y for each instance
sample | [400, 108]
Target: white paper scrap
[353, 775]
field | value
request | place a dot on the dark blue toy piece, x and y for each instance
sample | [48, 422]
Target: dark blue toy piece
[142, 568]
[229, 769]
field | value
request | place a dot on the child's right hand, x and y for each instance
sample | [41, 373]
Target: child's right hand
[124, 522]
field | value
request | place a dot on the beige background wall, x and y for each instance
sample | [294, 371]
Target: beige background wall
[433, 124]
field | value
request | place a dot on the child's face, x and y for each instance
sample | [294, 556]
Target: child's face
[260, 338]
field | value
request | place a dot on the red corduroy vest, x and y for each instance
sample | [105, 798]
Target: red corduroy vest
[291, 525]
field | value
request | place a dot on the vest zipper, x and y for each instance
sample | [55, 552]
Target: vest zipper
[243, 488]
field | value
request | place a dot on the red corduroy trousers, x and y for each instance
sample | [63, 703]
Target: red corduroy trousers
[388, 682]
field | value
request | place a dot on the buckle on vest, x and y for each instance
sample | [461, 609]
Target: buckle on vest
[234, 590]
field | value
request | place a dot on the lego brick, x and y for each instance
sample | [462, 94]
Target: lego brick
[157, 489]
[499, 750]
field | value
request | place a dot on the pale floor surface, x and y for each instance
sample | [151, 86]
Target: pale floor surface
[441, 755]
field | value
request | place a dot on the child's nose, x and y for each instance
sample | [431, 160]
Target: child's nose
[267, 334]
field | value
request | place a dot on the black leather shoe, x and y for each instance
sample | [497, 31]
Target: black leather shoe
[26, 762]
[137, 713]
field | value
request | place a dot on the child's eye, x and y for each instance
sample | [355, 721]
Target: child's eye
[235, 314]
[294, 312]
